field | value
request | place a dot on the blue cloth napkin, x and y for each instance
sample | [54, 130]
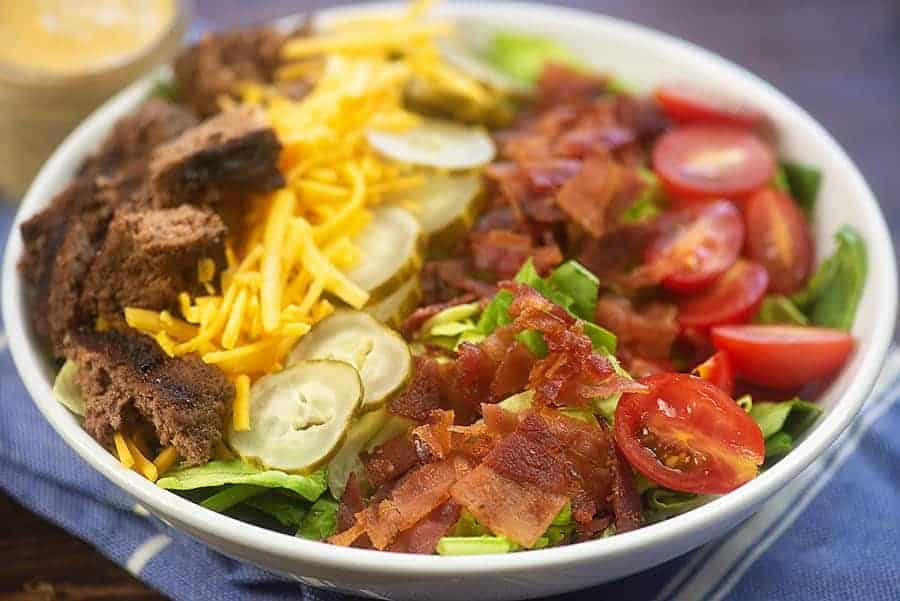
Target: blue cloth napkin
[831, 534]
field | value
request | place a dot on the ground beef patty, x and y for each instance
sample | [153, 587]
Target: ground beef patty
[220, 61]
[61, 241]
[149, 257]
[231, 155]
[125, 378]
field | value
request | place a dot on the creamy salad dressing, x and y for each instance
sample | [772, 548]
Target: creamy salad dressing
[61, 37]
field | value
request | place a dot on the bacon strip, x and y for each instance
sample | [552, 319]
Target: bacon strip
[423, 393]
[598, 193]
[414, 497]
[520, 512]
[626, 502]
[389, 461]
[423, 537]
[432, 440]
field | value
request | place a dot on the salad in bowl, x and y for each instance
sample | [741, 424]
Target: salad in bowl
[398, 283]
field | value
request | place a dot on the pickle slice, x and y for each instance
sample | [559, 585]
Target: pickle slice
[389, 252]
[378, 352]
[436, 143]
[397, 306]
[299, 416]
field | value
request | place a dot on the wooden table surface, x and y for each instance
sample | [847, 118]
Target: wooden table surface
[837, 59]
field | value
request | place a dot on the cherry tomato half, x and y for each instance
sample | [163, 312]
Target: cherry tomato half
[687, 105]
[701, 162]
[717, 370]
[783, 357]
[778, 237]
[698, 244]
[734, 298]
[688, 435]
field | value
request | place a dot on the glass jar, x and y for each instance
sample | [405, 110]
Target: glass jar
[61, 59]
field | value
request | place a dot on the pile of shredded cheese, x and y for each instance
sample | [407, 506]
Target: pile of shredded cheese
[287, 266]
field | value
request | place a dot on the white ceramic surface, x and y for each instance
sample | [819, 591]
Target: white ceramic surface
[645, 58]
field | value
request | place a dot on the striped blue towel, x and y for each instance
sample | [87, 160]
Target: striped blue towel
[831, 534]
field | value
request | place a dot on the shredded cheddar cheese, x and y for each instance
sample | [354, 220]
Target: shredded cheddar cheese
[165, 460]
[286, 266]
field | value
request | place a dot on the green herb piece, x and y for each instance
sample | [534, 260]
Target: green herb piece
[803, 182]
[534, 341]
[219, 473]
[321, 520]
[473, 545]
[290, 510]
[579, 284]
[231, 496]
[523, 56]
[783, 422]
[780, 309]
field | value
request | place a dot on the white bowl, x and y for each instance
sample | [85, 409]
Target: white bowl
[641, 56]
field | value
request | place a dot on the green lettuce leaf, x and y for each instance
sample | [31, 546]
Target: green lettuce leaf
[231, 496]
[780, 309]
[321, 520]
[803, 183]
[783, 422]
[832, 295]
[523, 56]
[219, 473]
[289, 509]
[649, 203]
[579, 284]
[496, 313]
[661, 503]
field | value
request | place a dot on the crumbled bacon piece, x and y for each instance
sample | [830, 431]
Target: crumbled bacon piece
[531, 455]
[598, 193]
[390, 460]
[423, 393]
[351, 503]
[612, 256]
[511, 375]
[415, 496]
[625, 500]
[448, 278]
[503, 252]
[520, 512]
[423, 537]
[560, 83]
[646, 332]
[432, 440]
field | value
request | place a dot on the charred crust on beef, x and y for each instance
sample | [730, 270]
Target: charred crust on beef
[125, 377]
[215, 65]
[135, 136]
[62, 240]
[235, 153]
[149, 257]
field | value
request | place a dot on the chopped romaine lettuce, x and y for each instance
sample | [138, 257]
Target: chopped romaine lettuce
[606, 406]
[780, 309]
[66, 388]
[650, 201]
[523, 56]
[661, 503]
[473, 545]
[534, 342]
[783, 422]
[803, 183]
[231, 496]
[780, 181]
[832, 295]
[289, 509]
[496, 313]
[165, 89]
[600, 337]
[582, 286]
[219, 473]
[321, 520]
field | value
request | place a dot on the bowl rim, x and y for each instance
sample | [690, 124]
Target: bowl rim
[266, 543]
